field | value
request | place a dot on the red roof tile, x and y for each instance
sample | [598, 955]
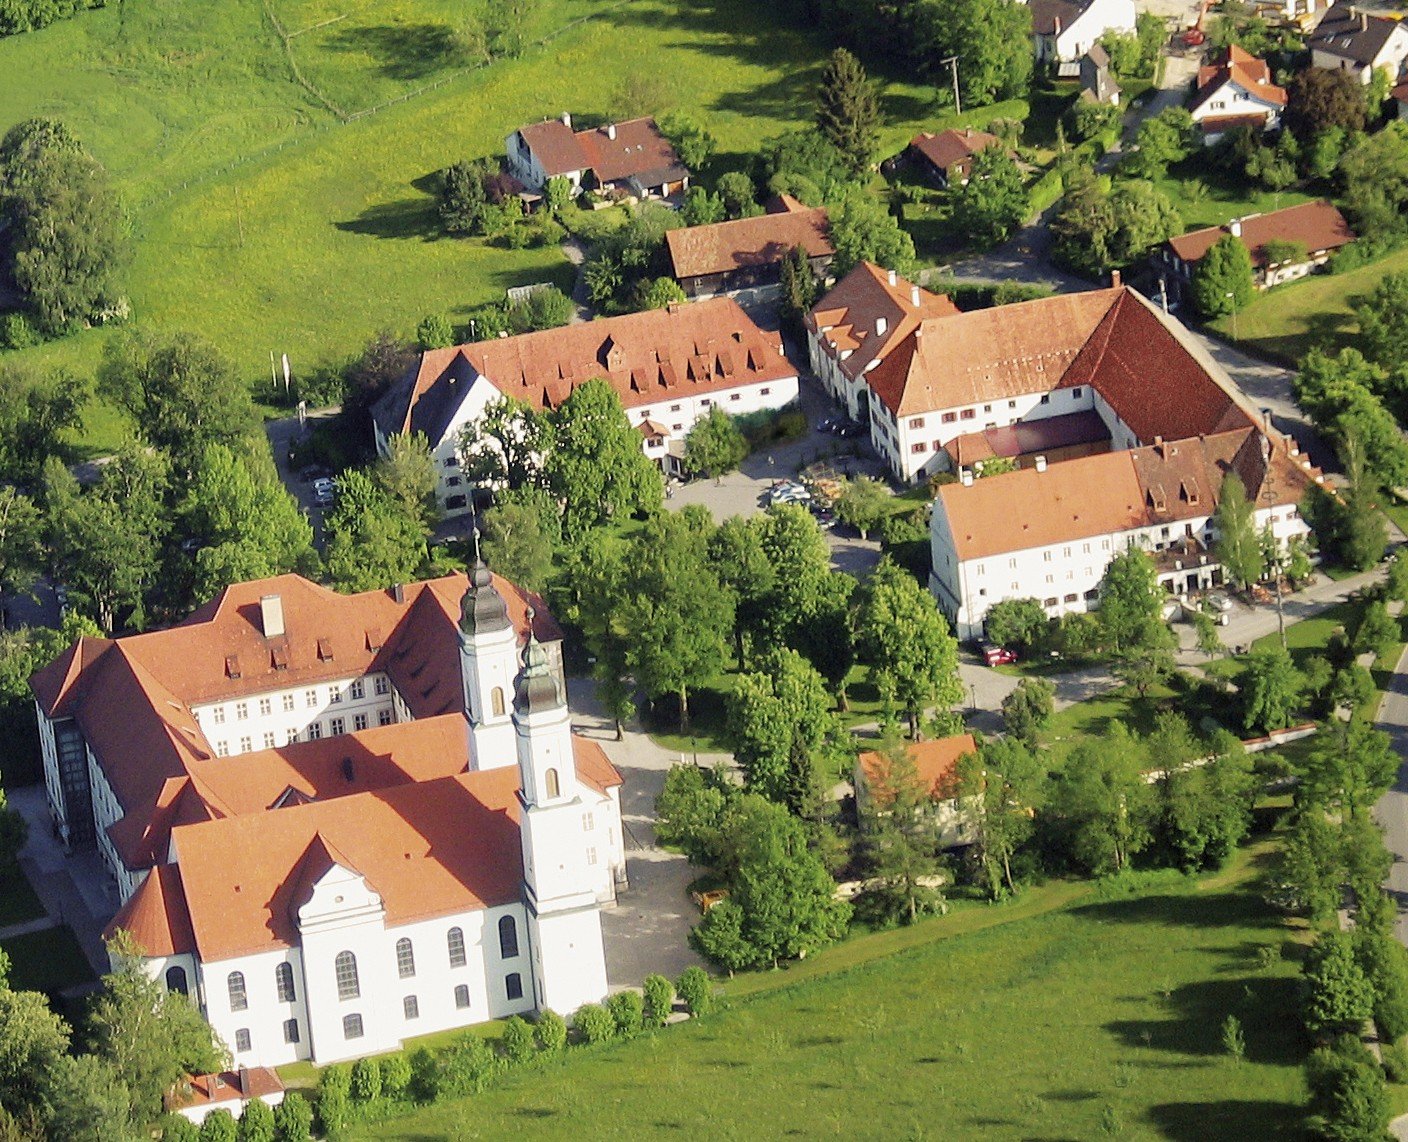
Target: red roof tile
[156, 915]
[935, 762]
[1316, 225]
[849, 316]
[949, 148]
[761, 241]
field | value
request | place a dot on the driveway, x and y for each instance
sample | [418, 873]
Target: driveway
[283, 434]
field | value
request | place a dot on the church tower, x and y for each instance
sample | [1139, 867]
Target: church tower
[488, 663]
[569, 958]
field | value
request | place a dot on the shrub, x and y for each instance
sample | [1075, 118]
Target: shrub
[696, 991]
[659, 999]
[427, 1076]
[1395, 1059]
[435, 331]
[467, 1065]
[219, 1126]
[395, 1076]
[627, 1011]
[365, 1084]
[334, 1086]
[257, 1123]
[595, 1023]
[293, 1119]
[518, 1040]
[174, 1128]
[551, 1031]
[18, 332]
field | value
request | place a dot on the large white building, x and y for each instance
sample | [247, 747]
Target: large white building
[670, 367]
[1064, 30]
[338, 822]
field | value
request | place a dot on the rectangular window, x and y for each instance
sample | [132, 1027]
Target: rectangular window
[765, 392]
[410, 1007]
[222, 749]
[266, 707]
[1011, 404]
[315, 731]
[949, 417]
[246, 745]
[676, 408]
[967, 414]
[310, 698]
[359, 690]
[290, 737]
[918, 448]
[1046, 399]
[359, 722]
[1085, 548]
[588, 822]
[513, 985]
[735, 396]
[1046, 555]
[382, 684]
[383, 717]
[1012, 563]
[241, 711]
[453, 482]
[351, 1026]
[336, 726]
[218, 715]
[451, 462]
[591, 855]
[1065, 552]
[334, 694]
[1070, 598]
[242, 1040]
[705, 403]
[290, 1030]
[462, 996]
[917, 422]
[1050, 603]
[270, 741]
[288, 701]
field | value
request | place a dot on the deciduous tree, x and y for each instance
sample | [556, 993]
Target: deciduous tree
[779, 725]
[1236, 547]
[1130, 599]
[1223, 281]
[715, 445]
[993, 203]
[864, 502]
[1100, 804]
[1271, 688]
[1018, 624]
[864, 231]
[1338, 996]
[1028, 708]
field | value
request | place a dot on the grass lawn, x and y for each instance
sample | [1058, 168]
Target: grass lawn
[50, 960]
[1287, 322]
[1102, 1015]
[264, 220]
[1204, 196]
[1091, 720]
[17, 901]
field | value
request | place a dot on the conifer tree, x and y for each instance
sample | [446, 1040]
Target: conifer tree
[848, 110]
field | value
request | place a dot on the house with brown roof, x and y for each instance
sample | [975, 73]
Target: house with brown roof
[632, 158]
[199, 1095]
[1284, 244]
[936, 769]
[1235, 90]
[669, 366]
[340, 821]
[947, 157]
[1349, 39]
[1097, 81]
[727, 258]
[1064, 30]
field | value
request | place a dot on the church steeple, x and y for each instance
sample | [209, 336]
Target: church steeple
[488, 664]
[543, 725]
[482, 610]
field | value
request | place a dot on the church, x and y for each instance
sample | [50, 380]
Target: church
[340, 822]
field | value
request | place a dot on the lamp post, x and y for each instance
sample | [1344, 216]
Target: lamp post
[973, 697]
[1232, 297]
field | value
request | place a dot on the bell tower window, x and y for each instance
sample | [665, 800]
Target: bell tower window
[551, 783]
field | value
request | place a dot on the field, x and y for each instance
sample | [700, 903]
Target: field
[278, 201]
[1100, 1018]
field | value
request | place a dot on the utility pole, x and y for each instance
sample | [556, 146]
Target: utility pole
[952, 62]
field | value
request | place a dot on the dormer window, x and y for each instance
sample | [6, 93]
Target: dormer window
[232, 665]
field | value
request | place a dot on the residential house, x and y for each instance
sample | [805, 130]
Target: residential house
[1065, 30]
[669, 366]
[337, 822]
[1284, 244]
[1348, 39]
[854, 327]
[747, 253]
[936, 767]
[1235, 90]
[631, 158]
[947, 157]
[1097, 81]
[200, 1095]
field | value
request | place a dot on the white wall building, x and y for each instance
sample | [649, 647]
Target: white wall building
[1064, 30]
[668, 366]
[352, 887]
[1348, 39]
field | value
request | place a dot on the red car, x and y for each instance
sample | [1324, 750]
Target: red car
[998, 655]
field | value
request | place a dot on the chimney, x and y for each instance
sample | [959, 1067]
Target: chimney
[271, 615]
[398, 592]
[244, 1082]
[1057, 22]
[892, 277]
[914, 296]
[1235, 227]
[611, 130]
[567, 120]
[1041, 463]
[967, 478]
[1116, 279]
[1363, 21]
[881, 325]
[1266, 418]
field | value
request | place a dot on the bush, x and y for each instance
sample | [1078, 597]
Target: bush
[435, 332]
[427, 1076]
[334, 1087]
[18, 332]
[219, 1126]
[1395, 1059]
[175, 1128]
[257, 1123]
[659, 999]
[518, 1040]
[293, 1119]
[365, 1084]
[696, 991]
[395, 1076]
[551, 1031]
[595, 1023]
[467, 1066]
[627, 1011]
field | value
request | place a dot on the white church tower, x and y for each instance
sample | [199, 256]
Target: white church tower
[488, 664]
[569, 958]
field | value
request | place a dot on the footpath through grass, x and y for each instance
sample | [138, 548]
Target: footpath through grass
[1101, 1016]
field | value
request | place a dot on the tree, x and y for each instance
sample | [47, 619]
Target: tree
[690, 810]
[21, 540]
[864, 231]
[1351, 767]
[464, 203]
[1000, 788]
[1339, 395]
[517, 1040]
[1100, 805]
[1147, 660]
[1089, 119]
[993, 203]
[407, 474]
[151, 1036]
[521, 533]
[1205, 629]
[86, 1101]
[1161, 141]
[1236, 549]
[1095, 230]
[504, 446]
[696, 991]
[33, 1040]
[1275, 167]
[1338, 996]
[1131, 600]
[779, 722]
[1223, 281]
[1027, 708]
[702, 208]
[627, 1011]
[65, 242]
[181, 392]
[595, 1023]
[694, 145]
[596, 466]
[991, 38]
[715, 445]
[1310, 868]
[365, 1081]
[659, 999]
[435, 331]
[1125, 52]
[739, 194]
[37, 414]
[293, 1119]
[1375, 632]
[906, 641]
[218, 1126]
[1348, 1099]
[864, 502]
[1361, 534]
[1152, 33]
[257, 1122]
[1234, 1042]
[1375, 176]
[848, 110]
[1019, 624]
[1204, 806]
[900, 839]
[373, 542]
[799, 290]
[550, 1031]
[1320, 98]
[1383, 321]
[1271, 688]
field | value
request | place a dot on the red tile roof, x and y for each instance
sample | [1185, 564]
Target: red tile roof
[156, 915]
[638, 149]
[765, 240]
[228, 1086]
[1316, 225]
[1237, 66]
[936, 764]
[949, 148]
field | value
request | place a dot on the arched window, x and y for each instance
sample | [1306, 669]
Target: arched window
[455, 939]
[496, 701]
[351, 1026]
[283, 980]
[405, 958]
[552, 783]
[508, 938]
[462, 996]
[235, 983]
[176, 980]
[513, 986]
[346, 967]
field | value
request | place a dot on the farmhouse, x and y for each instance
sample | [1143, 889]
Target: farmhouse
[339, 821]
[947, 158]
[669, 367]
[1347, 39]
[936, 767]
[1284, 244]
[631, 158]
[1064, 30]
[1236, 91]
[747, 253]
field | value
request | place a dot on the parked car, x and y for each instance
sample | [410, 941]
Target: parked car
[325, 497]
[830, 424]
[850, 430]
[1217, 601]
[998, 655]
[790, 495]
[825, 519]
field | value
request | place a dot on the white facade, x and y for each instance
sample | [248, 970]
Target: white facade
[1233, 99]
[275, 718]
[1065, 47]
[1391, 58]
[525, 166]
